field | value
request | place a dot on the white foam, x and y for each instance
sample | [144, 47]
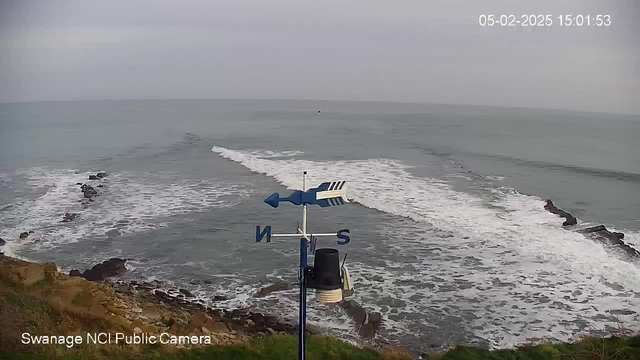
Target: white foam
[522, 267]
[127, 203]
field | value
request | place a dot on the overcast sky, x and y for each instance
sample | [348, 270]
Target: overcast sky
[381, 50]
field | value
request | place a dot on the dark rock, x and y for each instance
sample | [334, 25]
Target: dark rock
[79, 184]
[186, 293]
[88, 195]
[75, 272]
[109, 268]
[371, 326]
[366, 324]
[569, 219]
[258, 318]
[101, 175]
[355, 311]
[279, 285]
[2, 242]
[100, 185]
[597, 233]
[622, 312]
[220, 298]
[601, 234]
[113, 233]
[68, 217]
[207, 282]
[31, 231]
[93, 177]
[24, 235]
[163, 296]
[592, 229]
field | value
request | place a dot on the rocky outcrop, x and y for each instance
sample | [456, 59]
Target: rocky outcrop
[110, 268]
[93, 177]
[279, 285]
[241, 320]
[186, 293]
[569, 219]
[101, 303]
[88, 191]
[2, 242]
[75, 273]
[367, 324]
[601, 234]
[69, 217]
[597, 233]
[24, 235]
[101, 175]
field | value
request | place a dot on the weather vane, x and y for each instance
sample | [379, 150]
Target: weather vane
[326, 276]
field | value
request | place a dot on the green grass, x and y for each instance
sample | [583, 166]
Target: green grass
[588, 349]
[280, 347]
[31, 309]
[277, 347]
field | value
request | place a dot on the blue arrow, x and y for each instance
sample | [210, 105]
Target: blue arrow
[309, 197]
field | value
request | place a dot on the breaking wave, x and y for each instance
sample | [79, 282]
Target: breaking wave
[500, 265]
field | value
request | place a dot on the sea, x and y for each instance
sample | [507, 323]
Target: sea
[449, 238]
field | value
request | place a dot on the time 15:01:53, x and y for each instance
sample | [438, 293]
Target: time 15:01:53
[544, 20]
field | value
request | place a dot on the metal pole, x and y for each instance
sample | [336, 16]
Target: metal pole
[304, 206]
[302, 315]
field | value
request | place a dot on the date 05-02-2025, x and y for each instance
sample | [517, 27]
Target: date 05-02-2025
[599, 20]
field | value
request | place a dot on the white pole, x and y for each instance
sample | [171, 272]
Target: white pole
[304, 207]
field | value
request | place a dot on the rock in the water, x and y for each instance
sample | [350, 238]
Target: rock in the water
[109, 268]
[220, 298]
[88, 191]
[186, 292]
[101, 175]
[355, 311]
[93, 177]
[68, 217]
[372, 325]
[279, 285]
[569, 219]
[75, 272]
[207, 282]
[113, 233]
[2, 242]
[600, 233]
[367, 324]
[24, 235]
[79, 184]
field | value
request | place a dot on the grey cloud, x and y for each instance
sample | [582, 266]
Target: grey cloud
[414, 51]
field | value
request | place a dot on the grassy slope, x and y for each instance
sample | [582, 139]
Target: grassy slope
[37, 308]
[285, 347]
